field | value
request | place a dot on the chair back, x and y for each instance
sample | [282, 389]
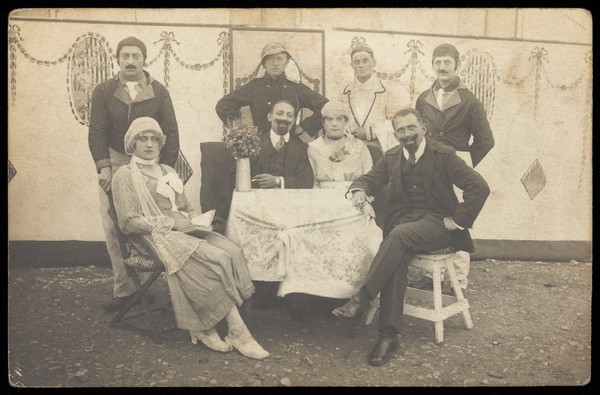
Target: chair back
[136, 262]
[216, 187]
[375, 153]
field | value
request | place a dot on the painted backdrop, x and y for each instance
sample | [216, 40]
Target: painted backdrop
[537, 97]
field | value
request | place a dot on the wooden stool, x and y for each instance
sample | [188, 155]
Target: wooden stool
[444, 306]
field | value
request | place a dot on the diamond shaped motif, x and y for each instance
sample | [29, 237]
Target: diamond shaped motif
[183, 169]
[534, 179]
[11, 171]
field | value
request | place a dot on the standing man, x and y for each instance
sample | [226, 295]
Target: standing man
[261, 93]
[423, 215]
[454, 116]
[369, 103]
[131, 94]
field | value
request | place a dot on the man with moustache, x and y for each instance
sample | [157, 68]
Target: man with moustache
[260, 94]
[454, 116]
[283, 161]
[131, 94]
[423, 215]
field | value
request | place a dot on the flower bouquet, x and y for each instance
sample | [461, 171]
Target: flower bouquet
[242, 141]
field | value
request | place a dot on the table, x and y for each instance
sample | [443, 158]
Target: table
[313, 241]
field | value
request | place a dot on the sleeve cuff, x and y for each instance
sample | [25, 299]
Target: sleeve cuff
[350, 193]
[281, 182]
[103, 163]
[457, 225]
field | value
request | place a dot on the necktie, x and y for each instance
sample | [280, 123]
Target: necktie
[280, 144]
[131, 89]
[440, 98]
[412, 159]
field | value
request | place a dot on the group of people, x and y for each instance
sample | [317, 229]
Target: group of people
[358, 142]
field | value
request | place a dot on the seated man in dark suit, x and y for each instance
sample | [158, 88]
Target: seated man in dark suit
[423, 215]
[283, 161]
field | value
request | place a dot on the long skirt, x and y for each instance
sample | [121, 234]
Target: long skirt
[211, 282]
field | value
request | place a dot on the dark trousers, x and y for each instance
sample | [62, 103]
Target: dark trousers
[412, 233]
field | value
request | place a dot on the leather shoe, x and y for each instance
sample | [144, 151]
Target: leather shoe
[355, 308]
[383, 350]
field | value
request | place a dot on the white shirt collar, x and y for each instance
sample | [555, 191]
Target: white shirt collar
[419, 152]
[275, 137]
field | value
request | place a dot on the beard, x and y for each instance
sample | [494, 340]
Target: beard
[282, 127]
[410, 143]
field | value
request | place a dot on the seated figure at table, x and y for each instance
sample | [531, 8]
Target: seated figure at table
[283, 161]
[337, 158]
[207, 277]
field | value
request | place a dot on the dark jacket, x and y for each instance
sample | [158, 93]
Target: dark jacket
[463, 116]
[441, 170]
[112, 112]
[260, 92]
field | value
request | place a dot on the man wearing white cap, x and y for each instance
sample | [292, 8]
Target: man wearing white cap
[260, 93]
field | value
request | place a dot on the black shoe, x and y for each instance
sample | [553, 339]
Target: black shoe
[383, 350]
[355, 308]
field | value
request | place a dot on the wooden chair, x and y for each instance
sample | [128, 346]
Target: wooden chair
[216, 187]
[444, 306]
[147, 320]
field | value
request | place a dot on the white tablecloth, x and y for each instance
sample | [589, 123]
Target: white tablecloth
[312, 240]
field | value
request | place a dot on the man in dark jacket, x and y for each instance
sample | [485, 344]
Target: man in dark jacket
[454, 116]
[260, 93]
[423, 214]
[131, 94]
[283, 160]
[451, 112]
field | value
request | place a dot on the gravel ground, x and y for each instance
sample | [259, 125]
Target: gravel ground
[532, 327]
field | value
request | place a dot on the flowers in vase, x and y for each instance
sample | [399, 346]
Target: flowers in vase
[241, 139]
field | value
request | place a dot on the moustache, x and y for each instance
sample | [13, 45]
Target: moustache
[408, 140]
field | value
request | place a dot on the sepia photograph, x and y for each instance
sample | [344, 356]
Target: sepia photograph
[299, 197]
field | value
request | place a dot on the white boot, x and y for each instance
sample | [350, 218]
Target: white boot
[210, 338]
[241, 339]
